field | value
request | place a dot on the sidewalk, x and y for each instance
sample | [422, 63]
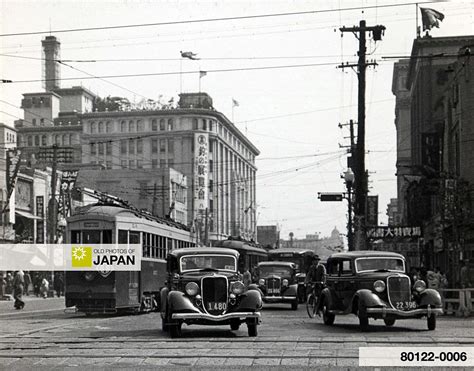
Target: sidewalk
[33, 303]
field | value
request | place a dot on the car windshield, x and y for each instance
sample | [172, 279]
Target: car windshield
[380, 264]
[211, 262]
[277, 270]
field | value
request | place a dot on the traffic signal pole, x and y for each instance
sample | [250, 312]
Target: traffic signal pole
[359, 158]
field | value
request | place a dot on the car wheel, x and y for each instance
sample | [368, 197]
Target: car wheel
[328, 318]
[175, 330]
[252, 329]
[363, 319]
[389, 322]
[311, 305]
[294, 305]
[431, 322]
[234, 325]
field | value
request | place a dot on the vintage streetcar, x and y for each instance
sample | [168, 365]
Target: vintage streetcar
[111, 222]
[302, 259]
[204, 287]
[374, 284]
[278, 282]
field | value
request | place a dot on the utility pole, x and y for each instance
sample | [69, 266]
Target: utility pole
[359, 159]
[53, 218]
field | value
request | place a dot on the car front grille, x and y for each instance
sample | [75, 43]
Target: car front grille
[273, 286]
[398, 289]
[214, 294]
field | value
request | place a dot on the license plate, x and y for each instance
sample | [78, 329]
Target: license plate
[405, 305]
[273, 291]
[216, 305]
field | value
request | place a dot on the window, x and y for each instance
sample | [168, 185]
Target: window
[65, 139]
[154, 146]
[123, 126]
[123, 147]
[139, 146]
[42, 122]
[123, 163]
[211, 164]
[211, 184]
[170, 124]
[170, 162]
[108, 127]
[162, 124]
[93, 149]
[170, 145]
[131, 164]
[140, 164]
[220, 129]
[154, 125]
[162, 163]
[154, 163]
[204, 125]
[163, 145]
[93, 127]
[43, 140]
[100, 147]
[131, 126]
[211, 125]
[30, 141]
[33, 121]
[101, 127]
[140, 126]
[131, 146]
[108, 148]
[195, 124]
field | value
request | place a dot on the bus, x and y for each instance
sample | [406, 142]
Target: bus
[121, 291]
[302, 258]
[250, 253]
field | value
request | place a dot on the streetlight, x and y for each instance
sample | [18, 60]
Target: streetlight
[349, 179]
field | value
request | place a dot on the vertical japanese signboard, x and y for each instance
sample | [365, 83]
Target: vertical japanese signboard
[40, 222]
[372, 210]
[201, 161]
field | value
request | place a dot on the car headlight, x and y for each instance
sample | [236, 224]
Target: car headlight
[379, 286]
[237, 288]
[284, 282]
[419, 286]
[89, 276]
[261, 282]
[192, 288]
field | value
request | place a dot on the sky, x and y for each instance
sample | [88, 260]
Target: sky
[283, 74]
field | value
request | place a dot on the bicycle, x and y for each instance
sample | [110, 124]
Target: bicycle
[312, 300]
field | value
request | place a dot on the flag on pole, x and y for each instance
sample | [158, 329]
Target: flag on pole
[234, 103]
[202, 74]
[430, 18]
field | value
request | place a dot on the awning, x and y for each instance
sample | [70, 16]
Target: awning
[27, 215]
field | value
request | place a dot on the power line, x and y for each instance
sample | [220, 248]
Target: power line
[218, 19]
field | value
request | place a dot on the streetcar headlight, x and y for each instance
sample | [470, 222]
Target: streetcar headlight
[284, 282]
[192, 288]
[89, 276]
[379, 286]
[419, 286]
[261, 282]
[237, 288]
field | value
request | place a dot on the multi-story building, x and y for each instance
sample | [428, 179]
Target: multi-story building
[321, 246]
[201, 143]
[438, 173]
[268, 236]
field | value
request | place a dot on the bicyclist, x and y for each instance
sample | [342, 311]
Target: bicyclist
[315, 277]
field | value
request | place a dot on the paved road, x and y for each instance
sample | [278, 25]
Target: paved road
[47, 337]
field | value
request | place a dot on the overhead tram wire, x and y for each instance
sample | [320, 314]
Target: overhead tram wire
[203, 20]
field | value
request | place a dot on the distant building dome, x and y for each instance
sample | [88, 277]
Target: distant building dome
[335, 233]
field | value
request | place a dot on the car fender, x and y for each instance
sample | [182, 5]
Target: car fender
[368, 298]
[179, 302]
[325, 294]
[250, 300]
[291, 290]
[430, 297]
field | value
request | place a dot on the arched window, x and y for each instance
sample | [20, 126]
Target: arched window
[170, 124]
[101, 127]
[37, 140]
[140, 125]
[123, 126]
[162, 124]
[108, 127]
[154, 125]
[30, 141]
[65, 139]
[131, 126]
[57, 139]
[93, 127]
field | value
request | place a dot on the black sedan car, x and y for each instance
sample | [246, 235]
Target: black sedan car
[374, 284]
[278, 282]
[204, 287]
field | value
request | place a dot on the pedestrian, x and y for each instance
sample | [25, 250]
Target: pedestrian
[18, 284]
[27, 283]
[37, 284]
[44, 288]
[432, 279]
[3, 285]
[464, 274]
[58, 284]
[9, 284]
